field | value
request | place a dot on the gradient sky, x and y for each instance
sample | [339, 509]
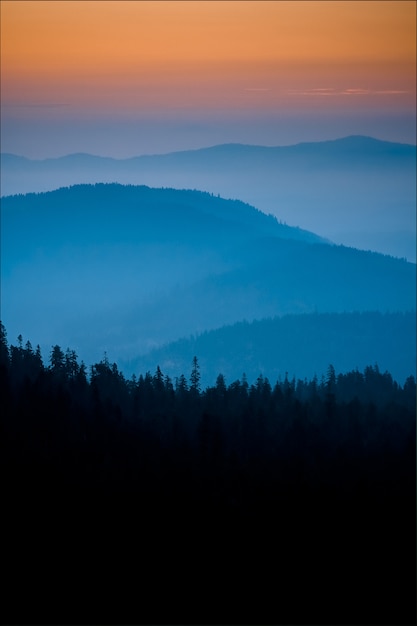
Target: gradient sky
[127, 78]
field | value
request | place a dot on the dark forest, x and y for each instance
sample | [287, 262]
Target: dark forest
[286, 502]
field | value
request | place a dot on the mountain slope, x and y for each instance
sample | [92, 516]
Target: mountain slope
[356, 190]
[125, 269]
[300, 345]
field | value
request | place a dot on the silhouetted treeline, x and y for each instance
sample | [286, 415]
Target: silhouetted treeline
[318, 475]
[304, 344]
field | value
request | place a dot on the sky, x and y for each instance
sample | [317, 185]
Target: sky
[121, 79]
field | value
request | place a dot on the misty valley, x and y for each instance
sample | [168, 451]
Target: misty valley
[208, 322]
[175, 364]
[127, 269]
[357, 191]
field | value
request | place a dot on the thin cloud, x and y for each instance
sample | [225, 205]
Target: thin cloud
[257, 89]
[320, 91]
[392, 91]
[356, 91]
[36, 105]
[350, 91]
[316, 91]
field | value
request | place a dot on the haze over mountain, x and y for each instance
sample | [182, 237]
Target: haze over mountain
[125, 269]
[206, 240]
[357, 191]
[302, 345]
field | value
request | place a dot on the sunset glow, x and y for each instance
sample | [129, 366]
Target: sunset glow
[67, 61]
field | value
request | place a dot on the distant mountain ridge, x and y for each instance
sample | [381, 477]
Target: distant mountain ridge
[357, 190]
[354, 142]
[293, 345]
[361, 147]
[124, 269]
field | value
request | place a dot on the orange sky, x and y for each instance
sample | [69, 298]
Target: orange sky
[123, 78]
[125, 55]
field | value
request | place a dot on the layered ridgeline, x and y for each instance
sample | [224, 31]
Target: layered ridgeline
[357, 190]
[292, 345]
[125, 269]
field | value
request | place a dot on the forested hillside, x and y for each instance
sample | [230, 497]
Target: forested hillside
[300, 345]
[317, 477]
[126, 269]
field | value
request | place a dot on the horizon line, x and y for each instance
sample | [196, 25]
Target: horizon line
[207, 147]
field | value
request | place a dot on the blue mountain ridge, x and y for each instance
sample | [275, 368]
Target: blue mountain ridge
[124, 269]
[357, 191]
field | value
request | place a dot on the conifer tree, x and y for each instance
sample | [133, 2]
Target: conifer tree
[195, 377]
[4, 349]
[57, 359]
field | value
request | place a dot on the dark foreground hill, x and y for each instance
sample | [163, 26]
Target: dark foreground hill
[356, 190]
[143, 502]
[125, 269]
[293, 345]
